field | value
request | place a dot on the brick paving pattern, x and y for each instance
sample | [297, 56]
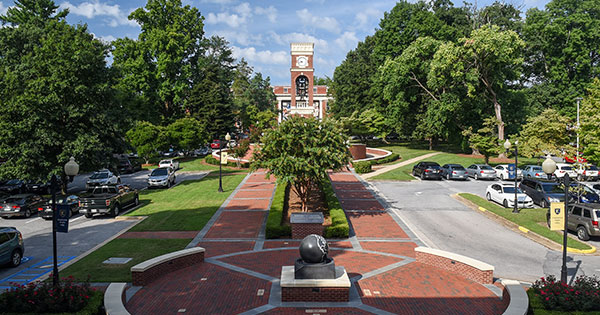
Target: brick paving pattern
[379, 258]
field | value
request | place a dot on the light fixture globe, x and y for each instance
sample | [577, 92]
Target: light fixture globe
[228, 137]
[549, 166]
[71, 167]
[507, 144]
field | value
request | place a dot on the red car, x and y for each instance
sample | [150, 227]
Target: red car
[216, 144]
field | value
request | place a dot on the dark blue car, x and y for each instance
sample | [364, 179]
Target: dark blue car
[585, 194]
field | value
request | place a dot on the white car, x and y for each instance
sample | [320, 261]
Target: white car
[102, 178]
[502, 172]
[174, 164]
[589, 172]
[504, 194]
[563, 169]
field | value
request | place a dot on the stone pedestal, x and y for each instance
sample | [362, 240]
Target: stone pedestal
[306, 223]
[358, 151]
[314, 290]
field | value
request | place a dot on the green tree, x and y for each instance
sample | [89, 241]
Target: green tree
[300, 151]
[147, 139]
[484, 141]
[251, 95]
[240, 150]
[187, 134]
[210, 102]
[546, 133]
[589, 132]
[35, 12]
[505, 15]
[164, 59]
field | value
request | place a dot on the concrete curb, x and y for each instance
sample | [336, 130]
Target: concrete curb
[113, 299]
[519, 302]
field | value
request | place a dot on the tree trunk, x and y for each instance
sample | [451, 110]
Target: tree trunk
[498, 110]
[430, 143]
[487, 159]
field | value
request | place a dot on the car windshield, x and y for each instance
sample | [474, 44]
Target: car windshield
[12, 182]
[458, 167]
[165, 162]
[593, 168]
[18, 201]
[566, 168]
[511, 190]
[552, 188]
[486, 167]
[159, 172]
[99, 176]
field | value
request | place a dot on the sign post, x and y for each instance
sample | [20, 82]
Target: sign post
[557, 217]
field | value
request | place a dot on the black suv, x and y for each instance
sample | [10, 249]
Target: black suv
[543, 192]
[427, 170]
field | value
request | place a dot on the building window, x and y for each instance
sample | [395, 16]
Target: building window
[286, 90]
[316, 104]
[315, 90]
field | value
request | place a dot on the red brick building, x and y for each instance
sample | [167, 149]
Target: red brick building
[302, 97]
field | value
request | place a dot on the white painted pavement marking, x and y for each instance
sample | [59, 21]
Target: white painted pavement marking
[80, 217]
[32, 220]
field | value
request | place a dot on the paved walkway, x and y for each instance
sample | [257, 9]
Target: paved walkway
[397, 165]
[241, 270]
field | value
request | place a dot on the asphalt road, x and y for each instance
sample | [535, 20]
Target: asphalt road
[445, 223]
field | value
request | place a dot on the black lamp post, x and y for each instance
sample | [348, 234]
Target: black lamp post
[227, 138]
[507, 146]
[71, 169]
[563, 269]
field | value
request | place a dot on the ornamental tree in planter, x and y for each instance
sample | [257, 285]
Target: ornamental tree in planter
[300, 151]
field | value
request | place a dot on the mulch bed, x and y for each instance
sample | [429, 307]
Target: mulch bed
[316, 203]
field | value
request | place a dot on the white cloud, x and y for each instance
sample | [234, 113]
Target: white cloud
[265, 56]
[326, 23]
[362, 18]
[321, 45]
[3, 9]
[240, 37]
[217, 1]
[346, 41]
[270, 13]
[234, 20]
[94, 9]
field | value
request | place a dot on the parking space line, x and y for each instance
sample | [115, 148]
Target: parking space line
[80, 217]
[32, 220]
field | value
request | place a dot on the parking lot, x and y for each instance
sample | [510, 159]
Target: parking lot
[445, 223]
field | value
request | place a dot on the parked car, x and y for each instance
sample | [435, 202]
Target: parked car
[37, 187]
[72, 201]
[108, 200]
[174, 164]
[22, 205]
[595, 187]
[589, 172]
[427, 170]
[454, 171]
[11, 246]
[502, 172]
[102, 178]
[216, 144]
[202, 151]
[585, 194]
[481, 171]
[14, 186]
[161, 177]
[543, 192]
[534, 171]
[128, 166]
[563, 169]
[583, 219]
[504, 194]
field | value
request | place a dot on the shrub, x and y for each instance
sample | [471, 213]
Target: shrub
[275, 229]
[43, 297]
[211, 160]
[390, 158]
[339, 227]
[583, 295]
[362, 167]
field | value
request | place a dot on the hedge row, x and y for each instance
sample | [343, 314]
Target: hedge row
[339, 227]
[212, 160]
[274, 227]
[362, 167]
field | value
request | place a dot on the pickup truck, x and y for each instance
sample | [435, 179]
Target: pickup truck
[108, 200]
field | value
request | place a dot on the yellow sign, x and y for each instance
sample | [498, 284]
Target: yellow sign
[224, 157]
[557, 216]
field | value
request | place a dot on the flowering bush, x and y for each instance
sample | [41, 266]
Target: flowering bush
[583, 295]
[43, 297]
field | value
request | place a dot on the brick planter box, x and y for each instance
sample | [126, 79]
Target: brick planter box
[358, 151]
[152, 269]
[467, 267]
[304, 224]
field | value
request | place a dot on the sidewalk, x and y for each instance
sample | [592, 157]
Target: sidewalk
[241, 269]
[397, 165]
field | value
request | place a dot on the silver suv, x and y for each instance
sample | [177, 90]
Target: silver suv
[11, 246]
[583, 219]
[161, 177]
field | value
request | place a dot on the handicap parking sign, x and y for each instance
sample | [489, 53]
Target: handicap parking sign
[512, 171]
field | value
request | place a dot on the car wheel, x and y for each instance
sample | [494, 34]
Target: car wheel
[488, 197]
[15, 258]
[423, 175]
[582, 233]
[88, 215]
[413, 173]
[448, 176]
[501, 176]
[477, 176]
[505, 203]
[544, 203]
[115, 211]
[27, 213]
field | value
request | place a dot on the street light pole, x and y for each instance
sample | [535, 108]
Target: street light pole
[516, 209]
[220, 162]
[577, 155]
[563, 269]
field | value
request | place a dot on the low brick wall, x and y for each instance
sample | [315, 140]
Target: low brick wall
[373, 151]
[315, 294]
[150, 270]
[301, 230]
[467, 267]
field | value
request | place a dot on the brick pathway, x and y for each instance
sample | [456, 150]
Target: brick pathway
[241, 269]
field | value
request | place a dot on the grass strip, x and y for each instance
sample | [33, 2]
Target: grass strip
[185, 207]
[275, 227]
[533, 219]
[138, 249]
[339, 227]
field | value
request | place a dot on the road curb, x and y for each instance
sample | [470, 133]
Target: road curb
[524, 231]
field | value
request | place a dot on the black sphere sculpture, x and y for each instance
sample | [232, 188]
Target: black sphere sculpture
[314, 263]
[314, 249]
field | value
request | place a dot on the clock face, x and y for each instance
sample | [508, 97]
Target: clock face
[302, 61]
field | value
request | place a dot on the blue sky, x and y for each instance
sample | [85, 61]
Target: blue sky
[260, 31]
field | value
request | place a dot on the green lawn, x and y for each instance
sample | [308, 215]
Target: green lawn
[185, 207]
[532, 219]
[403, 173]
[138, 249]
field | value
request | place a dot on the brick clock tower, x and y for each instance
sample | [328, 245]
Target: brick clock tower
[302, 72]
